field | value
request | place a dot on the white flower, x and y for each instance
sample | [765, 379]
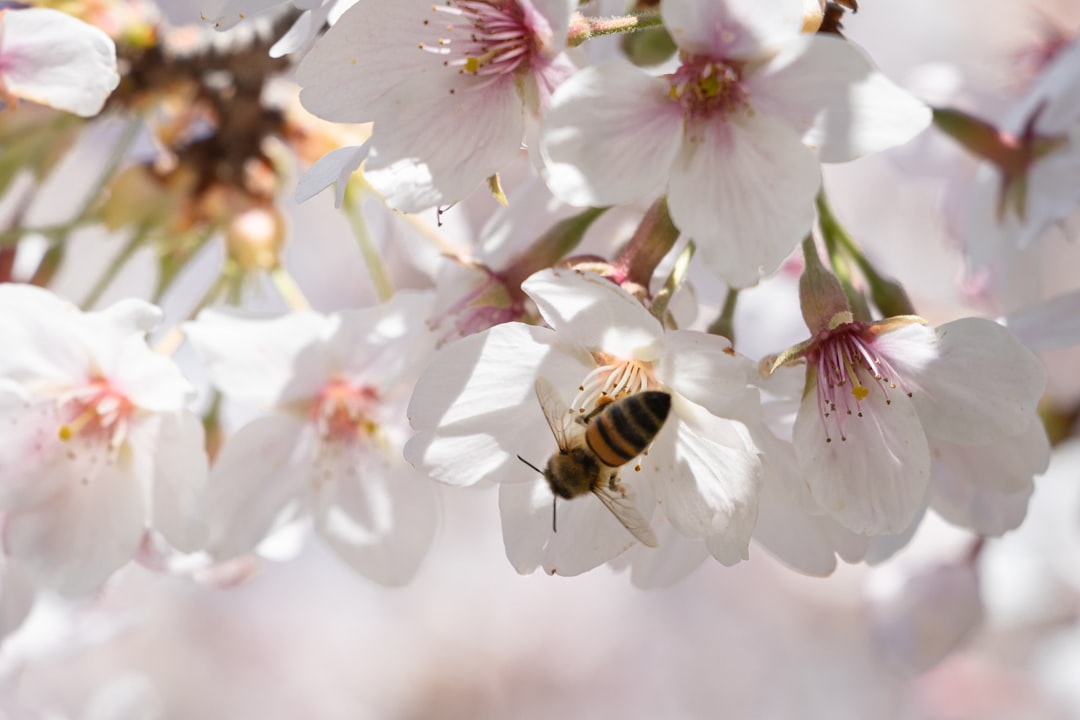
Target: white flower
[727, 133]
[331, 449]
[883, 398]
[476, 411]
[51, 58]
[97, 445]
[447, 85]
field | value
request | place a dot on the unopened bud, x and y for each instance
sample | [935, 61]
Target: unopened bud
[254, 239]
[821, 296]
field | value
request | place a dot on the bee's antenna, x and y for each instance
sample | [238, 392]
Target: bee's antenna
[530, 464]
[554, 502]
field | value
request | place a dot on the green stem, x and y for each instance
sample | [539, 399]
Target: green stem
[584, 28]
[836, 239]
[380, 279]
[114, 267]
[724, 325]
[660, 303]
[651, 241]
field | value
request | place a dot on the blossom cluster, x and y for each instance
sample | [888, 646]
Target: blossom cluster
[538, 226]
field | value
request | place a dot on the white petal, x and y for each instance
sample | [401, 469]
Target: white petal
[704, 369]
[52, 58]
[706, 476]
[592, 311]
[476, 405]
[972, 381]
[254, 359]
[828, 89]
[610, 136]
[744, 191]
[378, 345]
[549, 21]
[371, 50]
[874, 481]
[334, 167]
[226, 14]
[587, 536]
[149, 380]
[986, 487]
[17, 595]
[260, 473]
[1051, 325]
[436, 147]
[82, 534]
[804, 542]
[378, 514]
[731, 29]
[179, 480]
[676, 557]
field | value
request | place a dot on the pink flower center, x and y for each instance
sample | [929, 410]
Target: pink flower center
[848, 370]
[485, 38]
[707, 87]
[489, 304]
[344, 411]
[97, 411]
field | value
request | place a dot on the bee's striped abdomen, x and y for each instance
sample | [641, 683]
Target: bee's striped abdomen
[622, 429]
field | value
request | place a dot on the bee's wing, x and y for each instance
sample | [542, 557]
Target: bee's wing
[555, 410]
[622, 507]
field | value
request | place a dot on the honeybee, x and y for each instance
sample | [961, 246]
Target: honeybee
[593, 447]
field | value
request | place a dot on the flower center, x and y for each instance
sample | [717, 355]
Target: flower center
[344, 411]
[484, 38]
[706, 87]
[612, 379]
[98, 411]
[489, 304]
[848, 370]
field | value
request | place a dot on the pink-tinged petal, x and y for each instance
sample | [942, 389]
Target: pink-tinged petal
[378, 514]
[828, 89]
[476, 407]
[34, 462]
[734, 29]
[587, 535]
[1052, 325]
[549, 21]
[805, 543]
[373, 49]
[610, 136]
[333, 168]
[255, 359]
[975, 380]
[704, 369]
[987, 487]
[445, 144]
[73, 541]
[706, 475]
[180, 468]
[676, 557]
[874, 481]
[257, 483]
[1053, 191]
[17, 595]
[589, 310]
[539, 87]
[52, 58]
[150, 381]
[744, 191]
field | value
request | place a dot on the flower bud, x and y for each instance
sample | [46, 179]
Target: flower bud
[254, 239]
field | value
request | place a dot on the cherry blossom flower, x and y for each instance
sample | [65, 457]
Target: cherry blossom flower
[51, 58]
[337, 386]
[884, 398]
[97, 444]
[448, 86]
[731, 133]
[475, 411]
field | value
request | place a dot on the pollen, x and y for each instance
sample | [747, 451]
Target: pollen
[488, 39]
[612, 379]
